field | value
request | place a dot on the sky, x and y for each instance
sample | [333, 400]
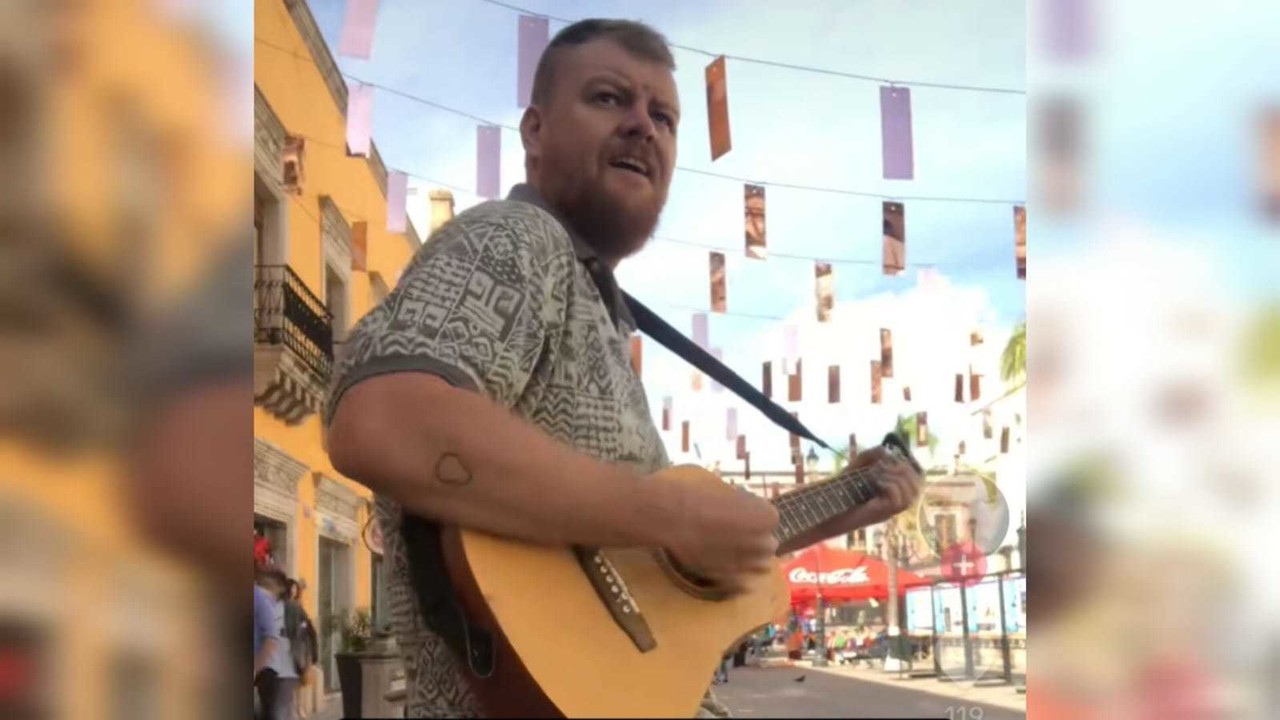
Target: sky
[788, 126]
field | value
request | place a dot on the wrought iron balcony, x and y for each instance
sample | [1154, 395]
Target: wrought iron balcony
[286, 313]
[293, 344]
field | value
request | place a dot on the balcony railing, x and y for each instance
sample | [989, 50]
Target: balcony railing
[286, 313]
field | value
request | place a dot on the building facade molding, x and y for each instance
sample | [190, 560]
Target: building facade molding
[275, 481]
[268, 142]
[337, 234]
[310, 31]
[338, 509]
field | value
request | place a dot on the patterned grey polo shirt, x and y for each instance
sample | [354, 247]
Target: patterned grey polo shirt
[501, 301]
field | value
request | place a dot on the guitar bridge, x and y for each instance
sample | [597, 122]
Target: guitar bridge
[613, 592]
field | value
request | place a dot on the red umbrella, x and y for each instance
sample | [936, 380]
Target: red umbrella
[842, 576]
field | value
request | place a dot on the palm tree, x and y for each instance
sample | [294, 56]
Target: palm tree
[1013, 361]
[1262, 347]
[905, 428]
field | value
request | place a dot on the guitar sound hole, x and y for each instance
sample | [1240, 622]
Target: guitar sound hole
[689, 581]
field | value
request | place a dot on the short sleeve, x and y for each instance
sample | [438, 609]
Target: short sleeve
[474, 307]
[262, 620]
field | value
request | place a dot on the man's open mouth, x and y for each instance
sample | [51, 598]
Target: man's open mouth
[634, 165]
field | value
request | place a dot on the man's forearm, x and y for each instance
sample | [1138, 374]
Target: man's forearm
[455, 456]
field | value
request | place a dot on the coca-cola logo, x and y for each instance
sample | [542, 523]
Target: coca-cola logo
[842, 576]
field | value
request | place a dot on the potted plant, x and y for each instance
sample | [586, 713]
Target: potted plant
[356, 637]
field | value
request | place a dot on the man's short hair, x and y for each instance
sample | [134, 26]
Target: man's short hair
[639, 39]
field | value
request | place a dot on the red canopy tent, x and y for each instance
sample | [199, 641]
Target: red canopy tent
[842, 576]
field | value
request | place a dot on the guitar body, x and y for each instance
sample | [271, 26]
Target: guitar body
[560, 652]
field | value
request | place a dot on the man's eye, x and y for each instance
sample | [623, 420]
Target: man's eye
[608, 98]
[666, 120]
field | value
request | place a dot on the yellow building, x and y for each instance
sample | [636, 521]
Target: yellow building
[323, 258]
[105, 165]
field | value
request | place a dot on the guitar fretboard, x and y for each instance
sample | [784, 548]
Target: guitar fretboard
[809, 506]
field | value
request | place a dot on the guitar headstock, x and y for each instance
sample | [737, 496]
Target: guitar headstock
[901, 449]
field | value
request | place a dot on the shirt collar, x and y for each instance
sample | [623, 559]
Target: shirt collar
[603, 275]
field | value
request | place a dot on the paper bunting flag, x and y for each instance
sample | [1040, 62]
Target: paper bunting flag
[962, 449]
[742, 447]
[718, 291]
[853, 445]
[875, 382]
[666, 413]
[636, 355]
[795, 439]
[906, 393]
[359, 118]
[718, 354]
[766, 384]
[397, 198]
[532, 35]
[684, 436]
[360, 246]
[357, 29]
[1020, 241]
[790, 348]
[793, 383]
[488, 161]
[886, 353]
[922, 429]
[895, 238]
[959, 387]
[833, 384]
[824, 290]
[700, 330]
[697, 381]
[799, 467]
[986, 424]
[731, 424]
[1004, 439]
[746, 467]
[1069, 29]
[293, 164]
[895, 133]
[753, 204]
[975, 338]
[718, 108]
[975, 386]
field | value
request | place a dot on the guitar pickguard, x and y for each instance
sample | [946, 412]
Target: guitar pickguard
[612, 591]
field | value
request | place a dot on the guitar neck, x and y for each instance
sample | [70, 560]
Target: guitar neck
[809, 506]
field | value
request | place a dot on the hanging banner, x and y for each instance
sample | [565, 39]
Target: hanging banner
[766, 383]
[1020, 241]
[833, 384]
[292, 164]
[875, 382]
[731, 424]
[684, 436]
[799, 468]
[753, 203]
[895, 133]
[975, 385]
[959, 387]
[895, 238]
[397, 199]
[636, 357]
[793, 383]
[488, 161]
[825, 290]
[853, 446]
[922, 429]
[697, 381]
[886, 353]
[666, 413]
[746, 466]
[718, 108]
[1004, 439]
[790, 348]
[742, 447]
[795, 441]
[906, 393]
[975, 338]
[358, 25]
[700, 330]
[718, 290]
[359, 246]
[532, 36]
[986, 424]
[359, 119]
[1069, 27]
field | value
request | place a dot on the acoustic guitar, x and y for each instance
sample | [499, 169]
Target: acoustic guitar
[581, 632]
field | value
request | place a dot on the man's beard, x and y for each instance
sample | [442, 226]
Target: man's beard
[613, 229]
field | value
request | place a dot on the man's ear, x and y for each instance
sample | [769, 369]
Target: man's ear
[531, 132]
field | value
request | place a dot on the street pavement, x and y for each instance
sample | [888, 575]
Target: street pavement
[773, 692]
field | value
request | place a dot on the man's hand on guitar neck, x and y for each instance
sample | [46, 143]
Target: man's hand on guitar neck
[898, 487]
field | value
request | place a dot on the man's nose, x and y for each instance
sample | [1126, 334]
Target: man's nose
[638, 123]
